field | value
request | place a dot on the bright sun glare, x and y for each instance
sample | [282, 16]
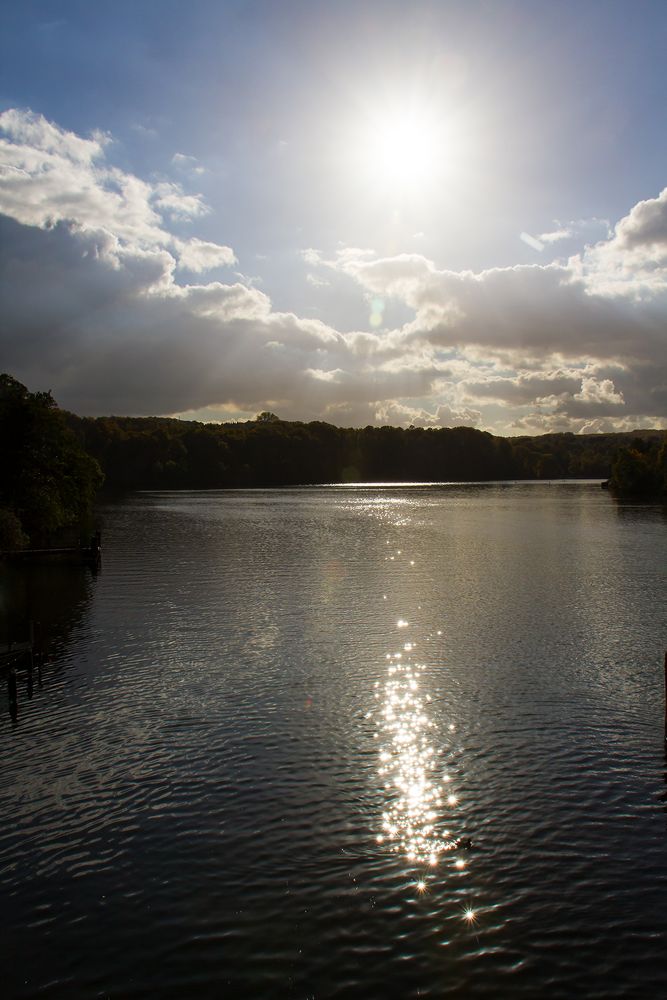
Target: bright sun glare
[405, 149]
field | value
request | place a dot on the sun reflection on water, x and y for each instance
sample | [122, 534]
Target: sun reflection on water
[413, 820]
[421, 803]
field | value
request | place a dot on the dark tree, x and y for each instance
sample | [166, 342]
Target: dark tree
[165, 453]
[640, 470]
[48, 480]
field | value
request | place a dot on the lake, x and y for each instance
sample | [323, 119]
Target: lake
[398, 741]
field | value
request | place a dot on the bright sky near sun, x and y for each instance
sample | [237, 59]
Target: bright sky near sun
[376, 212]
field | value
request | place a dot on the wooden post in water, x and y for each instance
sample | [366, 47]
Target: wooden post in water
[666, 699]
[12, 694]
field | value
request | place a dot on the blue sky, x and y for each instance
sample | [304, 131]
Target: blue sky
[435, 213]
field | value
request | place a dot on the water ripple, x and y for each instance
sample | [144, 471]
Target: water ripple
[193, 795]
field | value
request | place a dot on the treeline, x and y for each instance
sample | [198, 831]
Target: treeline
[163, 453]
[52, 463]
[640, 468]
[48, 482]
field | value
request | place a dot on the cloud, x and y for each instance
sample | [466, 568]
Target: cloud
[633, 262]
[316, 281]
[187, 164]
[109, 330]
[170, 199]
[145, 131]
[324, 376]
[32, 134]
[588, 230]
[645, 227]
[574, 392]
[555, 235]
[397, 413]
[312, 257]
[96, 307]
[198, 255]
[605, 305]
[595, 391]
[576, 230]
[49, 175]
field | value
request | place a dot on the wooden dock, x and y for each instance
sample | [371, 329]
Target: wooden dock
[82, 555]
[21, 654]
[15, 657]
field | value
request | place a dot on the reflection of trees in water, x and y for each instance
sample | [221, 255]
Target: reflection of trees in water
[639, 509]
[53, 596]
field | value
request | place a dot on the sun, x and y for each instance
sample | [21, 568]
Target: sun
[404, 149]
[400, 154]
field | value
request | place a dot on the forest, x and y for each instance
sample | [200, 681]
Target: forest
[54, 462]
[163, 453]
[48, 482]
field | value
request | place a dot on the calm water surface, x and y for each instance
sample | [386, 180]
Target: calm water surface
[271, 724]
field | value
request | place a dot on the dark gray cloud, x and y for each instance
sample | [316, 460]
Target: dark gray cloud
[111, 332]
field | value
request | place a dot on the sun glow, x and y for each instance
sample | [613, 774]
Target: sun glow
[405, 149]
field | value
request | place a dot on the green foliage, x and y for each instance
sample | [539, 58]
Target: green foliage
[163, 453]
[641, 469]
[50, 477]
[12, 535]
[48, 480]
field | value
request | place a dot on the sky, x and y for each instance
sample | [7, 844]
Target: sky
[370, 212]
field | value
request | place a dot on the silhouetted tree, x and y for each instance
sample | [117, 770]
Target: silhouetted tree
[639, 470]
[48, 480]
[162, 452]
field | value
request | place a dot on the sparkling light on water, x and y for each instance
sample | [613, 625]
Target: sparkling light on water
[420, 801]
[408, 765]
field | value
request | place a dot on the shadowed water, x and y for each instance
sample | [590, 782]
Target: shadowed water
[346, 741]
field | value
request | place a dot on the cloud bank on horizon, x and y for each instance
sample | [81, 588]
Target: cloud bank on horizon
[108, 300]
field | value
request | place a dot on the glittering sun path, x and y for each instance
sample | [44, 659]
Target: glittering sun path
[420, 800]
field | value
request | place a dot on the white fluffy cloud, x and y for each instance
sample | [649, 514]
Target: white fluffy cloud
[49, 175]
[93, 307]
[633, 263]
[198, 255]
[443, 416]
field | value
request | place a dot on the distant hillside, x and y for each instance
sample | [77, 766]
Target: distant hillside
[162, 453]
[51, 459]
